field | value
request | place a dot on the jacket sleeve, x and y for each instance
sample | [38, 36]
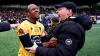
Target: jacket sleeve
[45, 23]
[67, 45]
[4, 26]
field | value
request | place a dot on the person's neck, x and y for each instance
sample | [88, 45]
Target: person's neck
[32, 21]
[68, 16]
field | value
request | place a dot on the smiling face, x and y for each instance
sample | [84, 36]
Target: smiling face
[63, 13]
[33, 11]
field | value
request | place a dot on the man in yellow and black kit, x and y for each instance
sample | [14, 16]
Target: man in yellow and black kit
[31, 27]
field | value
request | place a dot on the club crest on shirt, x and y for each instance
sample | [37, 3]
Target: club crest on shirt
[21, 31]
[37, 29]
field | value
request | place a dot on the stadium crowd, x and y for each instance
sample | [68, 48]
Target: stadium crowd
[11, 14]
[89, 11]
[17, 15]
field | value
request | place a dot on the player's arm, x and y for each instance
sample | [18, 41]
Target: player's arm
[24, 36]
[14, 26]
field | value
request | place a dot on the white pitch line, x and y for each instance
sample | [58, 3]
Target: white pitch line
[95, 27]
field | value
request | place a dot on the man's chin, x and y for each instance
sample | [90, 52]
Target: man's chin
[37, 18]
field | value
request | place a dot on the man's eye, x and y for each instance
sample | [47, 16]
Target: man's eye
[33, 9]
[59, 9]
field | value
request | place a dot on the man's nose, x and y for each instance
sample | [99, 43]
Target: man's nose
[37, 10]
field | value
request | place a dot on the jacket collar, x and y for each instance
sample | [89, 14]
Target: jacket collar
[68, 19]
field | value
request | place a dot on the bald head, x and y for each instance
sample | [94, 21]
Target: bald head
[33, 12]
[31, 6]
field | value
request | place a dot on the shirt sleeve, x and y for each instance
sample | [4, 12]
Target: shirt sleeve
[22, 29]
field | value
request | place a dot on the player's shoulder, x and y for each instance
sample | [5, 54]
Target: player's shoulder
[24, 22]
[39, 23]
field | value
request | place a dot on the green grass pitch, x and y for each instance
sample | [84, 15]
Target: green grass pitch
[9, 43]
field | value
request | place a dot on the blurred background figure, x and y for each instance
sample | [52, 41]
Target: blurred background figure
[94, 20]
[55, 22]
[47, 22]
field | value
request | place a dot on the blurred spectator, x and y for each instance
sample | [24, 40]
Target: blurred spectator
[94, 20]
[47, 22]
[55, 22]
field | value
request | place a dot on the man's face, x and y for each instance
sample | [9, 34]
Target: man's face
[33, 11]
[46, 17]
[62, 13]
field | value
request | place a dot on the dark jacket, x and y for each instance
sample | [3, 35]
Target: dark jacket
[70, 35]
[4, 26]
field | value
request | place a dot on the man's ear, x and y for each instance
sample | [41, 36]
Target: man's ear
[69, 11]
[27, 13]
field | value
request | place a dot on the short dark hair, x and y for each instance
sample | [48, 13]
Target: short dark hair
[46, 15]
